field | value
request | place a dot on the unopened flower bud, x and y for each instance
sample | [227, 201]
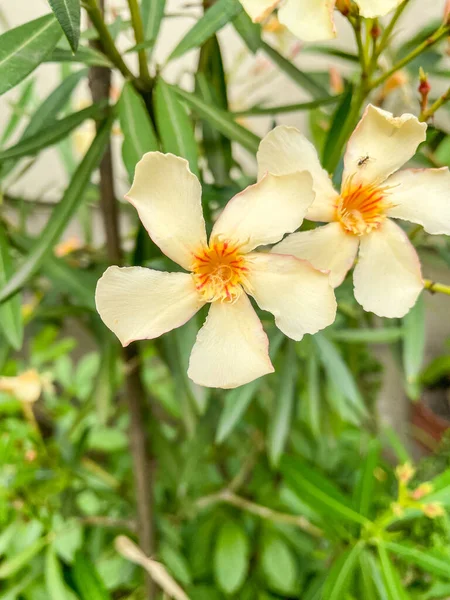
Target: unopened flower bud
[336, 81]
[344, 6]
[433, 510]
[405, 473]
[423, 490]
[447, 13]
[397, 509]
[375, 31]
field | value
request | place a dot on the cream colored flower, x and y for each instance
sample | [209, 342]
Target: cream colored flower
[231, 348]
[312, 20]
[26, 387]
[387, 276]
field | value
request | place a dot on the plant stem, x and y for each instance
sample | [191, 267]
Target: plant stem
[100, 80]
[387, 32]
[106, 41]
[433, 39]
[427, 114]
[435, 287]
[139, 36]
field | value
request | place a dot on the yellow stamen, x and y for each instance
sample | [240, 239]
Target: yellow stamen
[219, 271]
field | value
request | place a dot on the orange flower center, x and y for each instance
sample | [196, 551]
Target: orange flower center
[219, 270]
[361, 209]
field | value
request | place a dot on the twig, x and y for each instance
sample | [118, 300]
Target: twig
[100, 79]
[109, 522]
[139, 37]
[436, 288]
[427, 114]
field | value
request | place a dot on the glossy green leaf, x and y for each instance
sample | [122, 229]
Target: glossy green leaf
[392, 581]
[12, 565]
[310, 400]
[174, 125]
[249, 32]
[371, 585]
[139, 135]
[257, 111]
[341, 573]
[382, 335]
[283, 403]
[423, 559]
[414, 347]
[54, 580]
[89, 56]
[62, 213]
[216, 17]
[279, 565]
[318, 491]
[23, 48]
[221, 120]
[364, 493]
[18, 110]
[231, 557]
[335, 141]
[87, 580]
[152, 16]
[68, 14]
[11, 322]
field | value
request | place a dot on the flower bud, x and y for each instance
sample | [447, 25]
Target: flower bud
[423, 490]
[405, 473]
[433, 510]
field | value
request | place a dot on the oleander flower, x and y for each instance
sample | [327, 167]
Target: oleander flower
[312, 20]
[231, 348]
[387, 276]
[26, 387]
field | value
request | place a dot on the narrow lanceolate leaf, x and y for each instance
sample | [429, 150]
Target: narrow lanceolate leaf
[54, 581]
[24, 48]
[88, 56]
[19, 109]
[249, 32]
[43, 139]
[138, 133]
[414, 347]
[221, 120]
[15, 563]
[152, 16]
[423, 559]
[61, 215]
[283, 403]
[87, 580]
[216, 17]
[392, 581]
[366, 484]
[68, 14]
[335, 140]
[11, 322]
[174, 125]
[340, 575]
[311, 400]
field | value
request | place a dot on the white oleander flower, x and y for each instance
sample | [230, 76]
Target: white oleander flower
[231, 348]
[387, 276]
[26, 387]
[312, 20]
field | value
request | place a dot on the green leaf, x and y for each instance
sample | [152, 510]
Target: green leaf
[221, 120]
[216, 17]
[310, 400]
[423, 559]
[382, 335]
[87, 580]
[256, 111]
[339, 373]
[249, 32]
[54, 580]
[318, 491]
[236, 401]
[365, 487]
[10, 567]
[19, 109]
[138, 134]
[174, 125]
[279, 565]
[105, 383]
[283, 403]
[59, 130]
[62, 213]
[334, 140]
[176, 563]
[68, 14]
[231, 557]
[414, 347]
[301, 78]
[371, 585]
[89, 56]
[23, 48]
[394, 586]
[340, 575]
[152, 16]
[11, 322]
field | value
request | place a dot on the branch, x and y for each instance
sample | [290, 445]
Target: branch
[139, 36]
[427, 114]
[435, 287]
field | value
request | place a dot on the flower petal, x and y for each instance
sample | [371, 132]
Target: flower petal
[422, 196]
[285, 150]
[380, 145]
[299, 296]
[264, 212]
[387, 276]
[258, 10]
[371, 9]
[138, 303]
[167, 197]
[309, 20]
[329, 248]
[231, 348]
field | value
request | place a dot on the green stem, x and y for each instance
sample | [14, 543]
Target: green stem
[106, 40]
[136, 21]
[435, 287]
[433, 39]
[427, 114]
[387, 32]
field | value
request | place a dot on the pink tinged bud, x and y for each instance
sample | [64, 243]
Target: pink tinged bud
[397, 509]
[447, 12]
[423, 490]
[405, 473]
[433, 510]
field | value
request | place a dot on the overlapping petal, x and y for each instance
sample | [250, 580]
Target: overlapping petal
[329, 248]
[285, 150]
[167, 197]
[309, 20]
[138, 303]
[422, 196]
[387, 276]
[371, 9]
[299, 296]
[380, 145]
[258, 10]
[264, 212]
[231, 348]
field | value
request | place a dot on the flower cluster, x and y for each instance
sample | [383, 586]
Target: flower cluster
[294, 280]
